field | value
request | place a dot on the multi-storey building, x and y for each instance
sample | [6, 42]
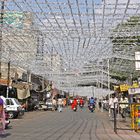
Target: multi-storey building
[19, 45]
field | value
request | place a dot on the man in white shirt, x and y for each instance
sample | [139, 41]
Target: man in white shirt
[113, 102]
[60, 104]
[123, 106]
[54, 104]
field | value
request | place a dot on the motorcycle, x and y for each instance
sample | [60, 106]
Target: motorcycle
[74, 105]
[91, 107]
[81, 105]
[75, 109]
[7, 121]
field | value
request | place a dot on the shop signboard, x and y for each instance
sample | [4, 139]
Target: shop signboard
[133, 91]
[137, 60]
[116, 88]
[137, 56]
[135, 84]
[124, 87]
[139, 81]
[135, 115]
[15, 19]
[137, 65]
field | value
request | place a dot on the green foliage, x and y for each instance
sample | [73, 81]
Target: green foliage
[125, 40]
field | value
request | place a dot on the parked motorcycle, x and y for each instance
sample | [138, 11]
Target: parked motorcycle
[92, 107]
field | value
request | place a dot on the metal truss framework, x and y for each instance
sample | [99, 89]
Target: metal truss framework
[78, 32]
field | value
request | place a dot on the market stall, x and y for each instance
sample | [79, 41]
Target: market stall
[134, 94]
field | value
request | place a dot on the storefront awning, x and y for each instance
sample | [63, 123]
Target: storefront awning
[3, 81]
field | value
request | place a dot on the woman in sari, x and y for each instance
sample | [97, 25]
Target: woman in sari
[2, 117]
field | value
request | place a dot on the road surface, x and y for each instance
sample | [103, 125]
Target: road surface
[67, 125]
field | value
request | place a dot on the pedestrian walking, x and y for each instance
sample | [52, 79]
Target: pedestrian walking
[2, 117]
[64, 102]
[54, 104]
[60, 104]
[100, 103]
[123, 107]
[113, 104]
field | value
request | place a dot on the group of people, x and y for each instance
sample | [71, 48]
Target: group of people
[75, 103]
[120, 105]
[58, 104]
[81, 102]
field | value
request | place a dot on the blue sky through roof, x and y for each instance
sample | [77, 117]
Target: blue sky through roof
[98, 1]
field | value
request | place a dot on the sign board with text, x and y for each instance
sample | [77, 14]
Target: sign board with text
[137, 60]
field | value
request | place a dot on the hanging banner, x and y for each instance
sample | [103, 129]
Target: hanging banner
[23, 93]
[133, 91]
[135, 85]
[116, 88]
[124, 87]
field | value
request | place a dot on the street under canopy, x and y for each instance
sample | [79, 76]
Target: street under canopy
[73, 43]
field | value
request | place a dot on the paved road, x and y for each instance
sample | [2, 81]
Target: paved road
[68, 125]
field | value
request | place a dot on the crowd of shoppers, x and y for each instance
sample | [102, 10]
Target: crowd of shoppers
[115, 102]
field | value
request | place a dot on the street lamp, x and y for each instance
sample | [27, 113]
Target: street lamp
[108, 66]
[1, 26]
[8, 80]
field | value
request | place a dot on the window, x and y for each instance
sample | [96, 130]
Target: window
[17, 102]
[9, 102]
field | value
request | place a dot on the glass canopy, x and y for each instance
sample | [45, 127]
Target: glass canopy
[72, 42]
